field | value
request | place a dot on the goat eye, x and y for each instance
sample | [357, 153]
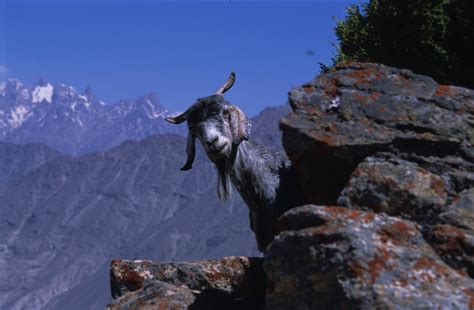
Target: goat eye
[226, 113]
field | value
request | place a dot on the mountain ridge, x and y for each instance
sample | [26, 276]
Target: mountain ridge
[73, 122]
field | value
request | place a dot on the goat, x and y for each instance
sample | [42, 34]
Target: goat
[263, 177]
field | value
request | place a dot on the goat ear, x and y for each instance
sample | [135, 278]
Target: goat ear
[239, 124]
[191, 151]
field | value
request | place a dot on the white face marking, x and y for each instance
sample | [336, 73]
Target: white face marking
[214, 141]
[212, 132]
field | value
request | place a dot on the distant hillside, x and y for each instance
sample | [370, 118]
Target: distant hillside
[18, 160]
[265, 126]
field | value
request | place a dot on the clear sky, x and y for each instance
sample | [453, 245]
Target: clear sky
[181, 50]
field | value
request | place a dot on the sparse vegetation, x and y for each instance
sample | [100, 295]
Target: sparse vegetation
[432, 37]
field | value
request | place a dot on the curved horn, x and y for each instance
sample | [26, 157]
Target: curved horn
[191, 151]
[178, 119]
[227, 85]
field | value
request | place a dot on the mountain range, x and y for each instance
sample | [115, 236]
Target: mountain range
[63, 218]
[76, 123]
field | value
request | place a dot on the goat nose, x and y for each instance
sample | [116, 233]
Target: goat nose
[212, 141]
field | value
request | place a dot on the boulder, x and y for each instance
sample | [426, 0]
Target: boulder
[371, 137]
[230, 282]
[360, 109]
[395, 186]
[329, 257]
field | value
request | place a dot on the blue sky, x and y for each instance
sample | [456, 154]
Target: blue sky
[181, 50]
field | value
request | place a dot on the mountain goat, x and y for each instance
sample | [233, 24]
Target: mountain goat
[263, 177]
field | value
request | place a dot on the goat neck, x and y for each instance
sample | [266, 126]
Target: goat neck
[253, 170]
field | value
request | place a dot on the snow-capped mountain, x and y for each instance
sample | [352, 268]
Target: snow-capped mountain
[74, 122]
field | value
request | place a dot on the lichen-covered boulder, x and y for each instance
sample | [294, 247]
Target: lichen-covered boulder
[395, 186]
[358, 109]
[337, 258]
[371, 137]
[230, 282]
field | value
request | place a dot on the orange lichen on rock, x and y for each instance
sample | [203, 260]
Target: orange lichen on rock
[444, 90]
[378, 264]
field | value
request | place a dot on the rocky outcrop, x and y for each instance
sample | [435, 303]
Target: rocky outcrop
[387, 159]
[337, 258]
[371, 137]
[358, 110]
[228, 283]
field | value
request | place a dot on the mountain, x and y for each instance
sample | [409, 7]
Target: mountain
[265, 126]
[73, 122]
[67, 219]
[18, 160]
[72, 216]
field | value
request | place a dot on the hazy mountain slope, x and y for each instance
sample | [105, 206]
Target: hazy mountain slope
[265, 126]
[70, 217]
[17, 160]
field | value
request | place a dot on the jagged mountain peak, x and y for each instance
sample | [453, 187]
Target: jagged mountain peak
[73, 122]
[10, 86]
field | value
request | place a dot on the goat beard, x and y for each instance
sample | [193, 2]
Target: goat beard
[223, 180]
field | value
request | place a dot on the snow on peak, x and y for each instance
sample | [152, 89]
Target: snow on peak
[41, 93]
[152, 110]
[18, 116]
[86, 101]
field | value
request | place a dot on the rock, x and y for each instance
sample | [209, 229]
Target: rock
[337, 258]
[454, 240]
[395, 186]
[461, 213]
[454, 245]
[366, 136]
[160, 295]
[357, 110]
[231, 283]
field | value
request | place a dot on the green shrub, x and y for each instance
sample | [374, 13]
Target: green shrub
[432, 37]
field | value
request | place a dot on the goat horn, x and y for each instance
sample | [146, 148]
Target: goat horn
[228, 84]
[178, 119]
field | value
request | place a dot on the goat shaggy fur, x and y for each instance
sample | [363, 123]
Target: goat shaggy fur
[264, 178]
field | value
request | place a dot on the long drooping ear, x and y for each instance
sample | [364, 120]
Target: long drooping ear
[239, 124]
[178, 119]
[191, 151]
